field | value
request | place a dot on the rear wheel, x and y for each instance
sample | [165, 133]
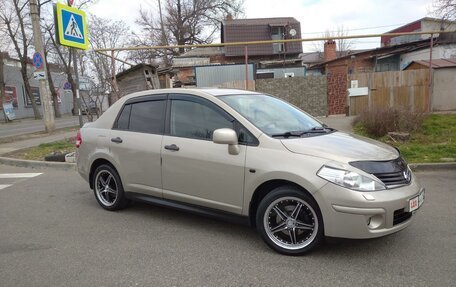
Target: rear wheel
[290, 221]
[108, 188]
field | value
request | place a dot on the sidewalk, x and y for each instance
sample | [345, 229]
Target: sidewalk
[13, 146]
[339, 122]
[30, 125]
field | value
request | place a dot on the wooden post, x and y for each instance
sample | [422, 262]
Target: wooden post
[430, 75]
[115, 88]
[246, 68]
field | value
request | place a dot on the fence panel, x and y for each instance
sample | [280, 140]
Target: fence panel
[402, 89]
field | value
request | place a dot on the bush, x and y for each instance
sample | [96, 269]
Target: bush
[379, 122]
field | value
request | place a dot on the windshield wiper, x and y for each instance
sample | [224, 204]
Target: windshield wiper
[314, 130]
[288, 134]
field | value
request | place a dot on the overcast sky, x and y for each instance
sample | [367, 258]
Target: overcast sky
[316, 16]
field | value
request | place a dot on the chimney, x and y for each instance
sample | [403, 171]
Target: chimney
[330, 50]
[229, 17]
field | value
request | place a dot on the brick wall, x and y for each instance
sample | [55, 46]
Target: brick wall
[307, 93]
[337, 88]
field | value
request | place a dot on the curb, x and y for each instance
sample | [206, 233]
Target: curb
[37, 163]
[432, 166]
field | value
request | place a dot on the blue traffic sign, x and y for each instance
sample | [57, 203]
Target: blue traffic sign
[38, 60]
[72, 27]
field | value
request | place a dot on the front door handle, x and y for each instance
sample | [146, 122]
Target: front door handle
[172, 147]
[116, 140]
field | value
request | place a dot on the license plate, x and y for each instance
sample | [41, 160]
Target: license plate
[416, 202]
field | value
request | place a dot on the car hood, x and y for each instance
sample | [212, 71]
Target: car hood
[341, 147]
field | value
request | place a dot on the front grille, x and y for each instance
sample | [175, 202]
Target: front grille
[392, 173]
[395, 178]
[400, 216]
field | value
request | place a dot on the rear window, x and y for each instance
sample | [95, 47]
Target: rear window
[145, 117]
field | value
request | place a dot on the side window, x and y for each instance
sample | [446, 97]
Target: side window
[245, 137]
[195, 120]
[146, 117]
[124, 118]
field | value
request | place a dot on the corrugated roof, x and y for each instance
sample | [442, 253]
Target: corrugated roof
[438, 63]
[383, 51]
[260, 21]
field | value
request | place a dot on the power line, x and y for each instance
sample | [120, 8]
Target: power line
[357, 29]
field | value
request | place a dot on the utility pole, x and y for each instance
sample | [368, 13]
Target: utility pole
[46, 100]
[76, 76]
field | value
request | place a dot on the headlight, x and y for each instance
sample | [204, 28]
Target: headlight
[349, 179]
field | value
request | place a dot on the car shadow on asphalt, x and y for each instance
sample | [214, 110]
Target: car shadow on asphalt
[335, 247]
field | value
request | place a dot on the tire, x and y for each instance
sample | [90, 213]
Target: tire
[290, 221]
[108, 188]
[56, 157]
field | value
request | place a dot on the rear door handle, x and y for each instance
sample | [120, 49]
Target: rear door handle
[116, 140]
[172, 147]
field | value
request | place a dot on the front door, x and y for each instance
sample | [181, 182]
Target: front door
[194, 169]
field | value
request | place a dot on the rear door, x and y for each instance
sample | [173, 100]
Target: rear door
[196, 170]
[136, 141]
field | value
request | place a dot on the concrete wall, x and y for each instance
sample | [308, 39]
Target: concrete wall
[307, 93]
[13, 78]
[443, 95]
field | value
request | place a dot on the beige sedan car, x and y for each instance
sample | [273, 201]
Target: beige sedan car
[250, 156]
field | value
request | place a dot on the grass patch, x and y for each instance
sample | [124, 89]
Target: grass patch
[435, 141]
[39, 152]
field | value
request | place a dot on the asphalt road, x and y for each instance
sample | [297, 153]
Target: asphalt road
[28, 126]
[53, 233]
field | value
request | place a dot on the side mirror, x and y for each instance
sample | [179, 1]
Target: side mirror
[227, 136]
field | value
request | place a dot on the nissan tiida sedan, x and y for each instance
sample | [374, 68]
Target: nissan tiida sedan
[249, 156]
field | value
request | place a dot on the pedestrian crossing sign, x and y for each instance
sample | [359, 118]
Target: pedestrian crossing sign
[72, 27]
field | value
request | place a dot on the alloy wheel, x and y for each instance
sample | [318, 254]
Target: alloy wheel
[290, 223]
[106, 188]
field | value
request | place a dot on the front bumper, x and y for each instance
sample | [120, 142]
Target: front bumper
[353, 214]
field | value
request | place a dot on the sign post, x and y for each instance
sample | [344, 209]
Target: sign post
[72, 32]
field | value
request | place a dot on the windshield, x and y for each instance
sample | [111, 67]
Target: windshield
[271, 115]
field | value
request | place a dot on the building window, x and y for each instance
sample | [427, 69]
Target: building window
[277, 33]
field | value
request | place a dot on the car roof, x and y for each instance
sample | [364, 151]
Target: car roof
[225, 92]
[194, 91]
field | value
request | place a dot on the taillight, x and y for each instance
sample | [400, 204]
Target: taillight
[78, 139]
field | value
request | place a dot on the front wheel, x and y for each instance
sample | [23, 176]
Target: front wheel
[290, 221]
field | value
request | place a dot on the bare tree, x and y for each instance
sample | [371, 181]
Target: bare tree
[55, 100]
[184, 22]
[104, 34]
[61, 54]
[343, 46]
[444, 9]
[14, 16]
